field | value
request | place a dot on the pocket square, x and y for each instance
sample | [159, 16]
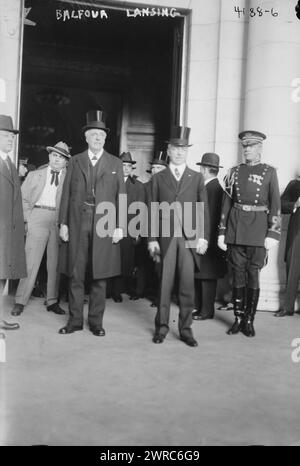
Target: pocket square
[113, 173]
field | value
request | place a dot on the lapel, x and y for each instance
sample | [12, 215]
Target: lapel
[83, 162]
[102, 165]
[60, 186]
[4, 170]
[185, 179]
[170, 180]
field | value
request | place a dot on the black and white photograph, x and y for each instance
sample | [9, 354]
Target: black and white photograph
[149, 225]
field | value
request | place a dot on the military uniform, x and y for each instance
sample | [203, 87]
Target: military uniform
[250, 214]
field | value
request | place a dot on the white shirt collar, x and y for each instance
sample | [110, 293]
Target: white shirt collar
[91, 154]
[3, 155]
[180, 168]
[210, 179]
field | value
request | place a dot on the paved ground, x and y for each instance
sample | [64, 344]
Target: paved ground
[80, 389]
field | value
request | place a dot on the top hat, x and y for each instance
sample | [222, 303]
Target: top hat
[61, 148]
[249, 138]
[6, 124]
[160, 158]
[125, 157]
[210, 159]
[95, 119]
[180, 136]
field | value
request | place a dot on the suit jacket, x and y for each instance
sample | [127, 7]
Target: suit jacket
[288, 199]
[109, 185]
[184, 195]
[33, 186]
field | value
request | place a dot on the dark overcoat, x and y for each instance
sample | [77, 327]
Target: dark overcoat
[212, 263]
[288, 199]
[106, 261]
[12, 231]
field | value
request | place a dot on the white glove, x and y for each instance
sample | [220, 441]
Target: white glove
[202, 246]
[117, 235]
[270, 243]
[221, 243]
[154, 250]
[64, 233]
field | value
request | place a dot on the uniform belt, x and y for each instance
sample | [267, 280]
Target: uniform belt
[44, 207]
[251, 208]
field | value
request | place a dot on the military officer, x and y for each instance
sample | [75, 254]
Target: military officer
[250, 225]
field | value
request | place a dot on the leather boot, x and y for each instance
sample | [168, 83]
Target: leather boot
[238, 298]
[247, 326]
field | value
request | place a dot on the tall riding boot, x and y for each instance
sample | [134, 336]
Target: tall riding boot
[238, 298]
[247, 324]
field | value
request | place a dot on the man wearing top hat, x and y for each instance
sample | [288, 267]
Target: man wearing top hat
[212, 263]
[250, 225]
[131, 253]
[172, 239]
[41, 195]
[94, 180]
[12, 231]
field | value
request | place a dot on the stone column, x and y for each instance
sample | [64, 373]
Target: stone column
[273, 52]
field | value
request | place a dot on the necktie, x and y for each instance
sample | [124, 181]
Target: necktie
[54, 177]
[94, 158]
[177, 173]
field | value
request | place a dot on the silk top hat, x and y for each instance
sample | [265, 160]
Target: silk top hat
[180, 136]
[160, 158]
[249, 138]
[210, 159]
[6, 124]
[95, 119]
[125, 157]
[60, 148]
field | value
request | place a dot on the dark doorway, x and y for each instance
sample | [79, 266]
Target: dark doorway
[123, 65]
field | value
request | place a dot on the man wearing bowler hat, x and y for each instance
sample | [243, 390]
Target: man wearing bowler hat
[12, 231]
[250, 225]
[41, 194]
[172, 239]
[93, 183]
[212, 263]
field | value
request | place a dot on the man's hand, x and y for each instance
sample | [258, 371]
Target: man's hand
[154, 250]
[270, 243]
[202, 246]
[221, 243]
[297, 203]
[117, 235]
[64, 233]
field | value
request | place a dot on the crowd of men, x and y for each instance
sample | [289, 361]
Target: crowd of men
[184, 250]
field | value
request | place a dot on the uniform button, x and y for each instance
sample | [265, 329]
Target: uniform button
[257, 195]
[256, 201]
[258, 189]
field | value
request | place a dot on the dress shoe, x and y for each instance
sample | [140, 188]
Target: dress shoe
[283, 313]
[235, 327]
[190, 341]
[98, 332]
[9, 325]
[117, 298]
[134, 297]
[66, 330]
[197, 316]
[158, 338]
[17, 309]
[56, 309]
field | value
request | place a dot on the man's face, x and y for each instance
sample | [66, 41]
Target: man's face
[156, 168]
[95, 139]
[252, 153]
[6, 141]
[56, 161]
[127, 168]
[177, 154]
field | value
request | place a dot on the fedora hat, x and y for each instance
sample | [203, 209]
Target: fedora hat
[6, 124]
[95, 119]
[60, 148]
[126, 157]
[210, 159]
[180, 136]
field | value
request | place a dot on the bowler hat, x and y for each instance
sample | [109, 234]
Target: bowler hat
[210, 159]
[95, 119]
[126, 157]
[6, 124]
[251, 137]
[60, 148]
[180, 136]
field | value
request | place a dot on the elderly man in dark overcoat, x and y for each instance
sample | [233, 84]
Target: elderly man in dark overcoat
[12, 231]
[89, 225]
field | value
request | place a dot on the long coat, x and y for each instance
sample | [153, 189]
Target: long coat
[288, 199]
[212, 263]
[190, 190]
[109, 184]
[12, 231]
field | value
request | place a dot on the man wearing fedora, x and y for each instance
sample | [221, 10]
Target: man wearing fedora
[94, 180]
[212, 263]
[250, 225]
[41, 194]
[131, 252]
[172, 239]
[12, 231]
